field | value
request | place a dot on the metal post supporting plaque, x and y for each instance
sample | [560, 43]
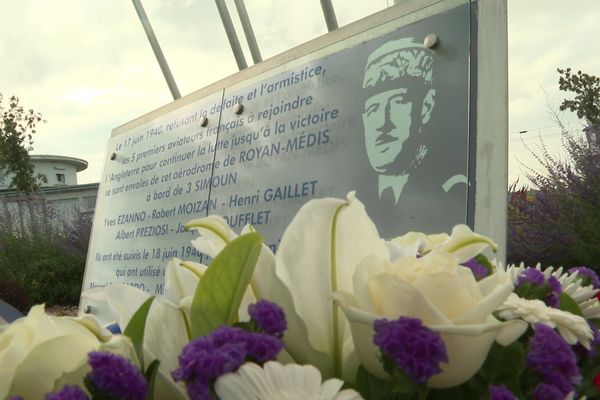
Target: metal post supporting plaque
[162, 61]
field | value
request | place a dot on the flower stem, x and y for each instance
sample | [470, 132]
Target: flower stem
[337, 341]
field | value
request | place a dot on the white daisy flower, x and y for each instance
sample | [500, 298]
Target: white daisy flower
[584, 296]
[571, 327]
[276, 381]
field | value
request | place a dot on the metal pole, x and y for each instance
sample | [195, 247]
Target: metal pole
[329, 15]
[247, 26]
[231, 36]
[162, 62]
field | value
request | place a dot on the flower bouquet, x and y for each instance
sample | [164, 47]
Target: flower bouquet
[336, 313]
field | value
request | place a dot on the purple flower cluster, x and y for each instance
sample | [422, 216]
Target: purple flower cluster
[68, 392]
[479, 271]
[206, 358]
[545, 391]
[532, 276]
[587, 276]
[532, 284]
[500, 392]
[554, 362]
[269, 317]
[413, 348]
[116, 376]
[552, 299]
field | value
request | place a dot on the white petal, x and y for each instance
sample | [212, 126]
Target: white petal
[122, 300]
[267, 284]
[165, 335]
[276, 381]
[48, 361]
[399, 298]
[234, 387]
[256, 380]
[215, 234]
[490, 302]
[181, 279]
[331, 387]
[465, 244]
[348, 394]
[312, 266]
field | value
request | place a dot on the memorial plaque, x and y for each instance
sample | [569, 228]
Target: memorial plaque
[384, 111]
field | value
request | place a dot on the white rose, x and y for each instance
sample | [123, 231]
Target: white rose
[444, 296]
[39, 353]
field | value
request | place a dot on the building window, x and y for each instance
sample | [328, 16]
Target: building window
[60, 178]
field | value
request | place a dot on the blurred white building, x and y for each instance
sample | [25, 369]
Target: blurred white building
[60, 196]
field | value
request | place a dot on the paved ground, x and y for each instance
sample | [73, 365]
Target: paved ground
[62, 310]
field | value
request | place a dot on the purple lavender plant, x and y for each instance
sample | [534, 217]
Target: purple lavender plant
[500, 392]
[116, 376]
[413, 348]
[68, 392]
[269, 317]
[552, 359]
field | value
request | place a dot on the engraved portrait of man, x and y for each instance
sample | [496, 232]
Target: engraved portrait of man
[399, 101]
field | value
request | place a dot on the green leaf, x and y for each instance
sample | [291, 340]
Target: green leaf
[481, 259]
[595, 321]
[371, 387]
[504, 365]
[136, 327]
[150, 376]
[566, 303]
[532, 291]
[220, 291]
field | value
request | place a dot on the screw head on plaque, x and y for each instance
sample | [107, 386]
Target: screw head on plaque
[203, 121]
[113, 156]
[88, 309]
[430, 41]
[238, 108]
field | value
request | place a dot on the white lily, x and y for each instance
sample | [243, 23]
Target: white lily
[167, 324]
[316, 257]
[32, 349]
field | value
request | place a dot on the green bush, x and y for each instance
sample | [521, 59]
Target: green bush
[46, 260]
[13, 294]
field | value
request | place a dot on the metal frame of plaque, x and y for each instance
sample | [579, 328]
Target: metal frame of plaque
[407, 107]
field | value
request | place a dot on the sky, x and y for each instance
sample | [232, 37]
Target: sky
[88, 67]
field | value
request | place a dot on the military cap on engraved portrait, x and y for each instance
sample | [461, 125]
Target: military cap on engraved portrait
[398, 100]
